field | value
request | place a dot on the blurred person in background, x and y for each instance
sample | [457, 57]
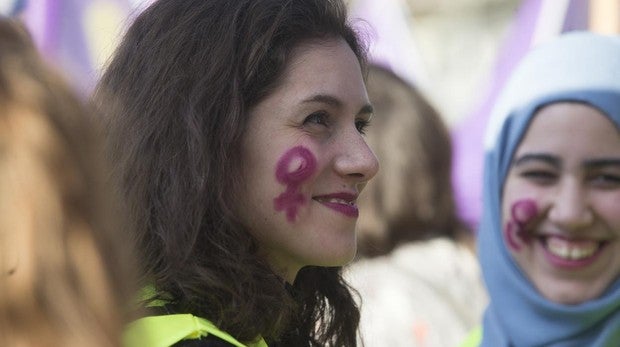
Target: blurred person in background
[66, 274]
[417, 273]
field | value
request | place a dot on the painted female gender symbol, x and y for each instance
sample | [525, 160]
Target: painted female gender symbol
[295, 166]
[522, 212]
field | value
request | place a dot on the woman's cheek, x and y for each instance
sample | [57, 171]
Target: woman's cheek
[522, 212]
[294, 167]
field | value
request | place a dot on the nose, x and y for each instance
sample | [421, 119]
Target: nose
[570, 208]
[355, 159]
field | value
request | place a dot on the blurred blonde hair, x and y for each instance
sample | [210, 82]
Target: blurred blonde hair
[411, 198]
[66, 272]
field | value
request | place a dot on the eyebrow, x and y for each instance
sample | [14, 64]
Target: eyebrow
[601, 162]
[546, 158]
[557, 163]
[335, 102]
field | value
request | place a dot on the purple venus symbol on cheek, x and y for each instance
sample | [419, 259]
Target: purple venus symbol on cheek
[522, 212]
[294, 167]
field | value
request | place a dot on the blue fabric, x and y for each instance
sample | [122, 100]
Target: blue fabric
[12, 8]
[517, 314]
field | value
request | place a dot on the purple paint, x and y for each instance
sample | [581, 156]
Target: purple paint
[295, 166]
[522, 212]
[511, 231]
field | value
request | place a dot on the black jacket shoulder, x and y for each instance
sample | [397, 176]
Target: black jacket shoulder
[209, 341]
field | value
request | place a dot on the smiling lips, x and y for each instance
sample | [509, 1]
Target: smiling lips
[340, 202]
[569, 253]
[561, 251]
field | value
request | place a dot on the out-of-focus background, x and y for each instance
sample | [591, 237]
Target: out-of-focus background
[457, 52]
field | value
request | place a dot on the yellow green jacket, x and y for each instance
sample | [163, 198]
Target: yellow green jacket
[166, 330]
[474, 338]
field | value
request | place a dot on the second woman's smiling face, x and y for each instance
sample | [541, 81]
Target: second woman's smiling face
[305, 160]
[561, 203]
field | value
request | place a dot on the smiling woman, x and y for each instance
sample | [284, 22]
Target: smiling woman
[560, 202]
[550, 238]
[314, 121]
[237, 128]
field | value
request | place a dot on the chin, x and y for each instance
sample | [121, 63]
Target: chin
[568, 300]
[341, 259]
[569, 295]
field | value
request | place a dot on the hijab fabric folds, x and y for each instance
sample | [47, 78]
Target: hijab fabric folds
[578, 67]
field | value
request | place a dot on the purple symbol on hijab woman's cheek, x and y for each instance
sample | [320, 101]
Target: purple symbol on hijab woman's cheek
[522, 212]
[293, 177]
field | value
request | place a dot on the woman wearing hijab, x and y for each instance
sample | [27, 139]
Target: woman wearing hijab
[549, 240]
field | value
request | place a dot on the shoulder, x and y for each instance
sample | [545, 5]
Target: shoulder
[178, 330]
[209, 341]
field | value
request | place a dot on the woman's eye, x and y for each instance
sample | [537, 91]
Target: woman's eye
[362, 125]
[605, 180]
[320, 118]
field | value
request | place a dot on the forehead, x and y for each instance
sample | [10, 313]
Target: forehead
[571, 128]
[329, 63]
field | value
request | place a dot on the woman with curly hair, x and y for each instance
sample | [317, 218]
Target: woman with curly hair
[236, 127]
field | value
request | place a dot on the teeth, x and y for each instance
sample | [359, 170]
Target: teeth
[571, 250]
[338, 201]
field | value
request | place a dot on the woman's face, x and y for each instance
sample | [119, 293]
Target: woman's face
[561, 203]
[305, 160]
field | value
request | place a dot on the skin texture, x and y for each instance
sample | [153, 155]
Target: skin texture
[566, 171]
[319, 111]
[522, 213]
[303, 164]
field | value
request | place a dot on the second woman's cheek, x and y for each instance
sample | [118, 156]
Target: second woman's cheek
[511, 234]
[523, 211]
[516, 232]
[296, 166]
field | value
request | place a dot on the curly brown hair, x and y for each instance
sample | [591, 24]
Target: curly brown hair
[177, 94]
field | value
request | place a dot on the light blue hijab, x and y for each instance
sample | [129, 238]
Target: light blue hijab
[582, 67]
